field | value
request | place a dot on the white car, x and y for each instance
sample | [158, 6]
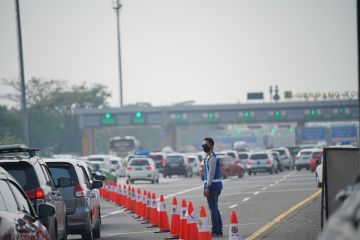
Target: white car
[319, 175]
[141, 169]
[118, 166]
[194, 162]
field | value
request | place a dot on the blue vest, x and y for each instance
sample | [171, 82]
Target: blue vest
[216, 183]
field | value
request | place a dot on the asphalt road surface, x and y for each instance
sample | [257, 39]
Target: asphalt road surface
[263, 203]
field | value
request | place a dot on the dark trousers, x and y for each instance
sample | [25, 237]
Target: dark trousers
[212, 199]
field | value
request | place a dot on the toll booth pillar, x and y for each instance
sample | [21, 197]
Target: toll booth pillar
[88, 142]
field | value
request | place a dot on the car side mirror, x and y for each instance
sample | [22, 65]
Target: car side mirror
[64, 182]
[46, 210]
[98, 176]
[96, 184]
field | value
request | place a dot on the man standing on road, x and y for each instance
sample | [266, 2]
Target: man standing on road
[212, 186]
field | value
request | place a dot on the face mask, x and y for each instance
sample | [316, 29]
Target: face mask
[206, 148]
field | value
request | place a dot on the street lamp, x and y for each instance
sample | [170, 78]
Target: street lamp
[22, 76]
[117, 6]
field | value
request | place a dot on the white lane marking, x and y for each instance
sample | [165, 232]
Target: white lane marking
[277, 182]
[233, 206]
[187, 190]
[113, 213]
[256, 193]
[234, 177]
[125, 233]
[264, 188]
[271, 185]
[246, 199]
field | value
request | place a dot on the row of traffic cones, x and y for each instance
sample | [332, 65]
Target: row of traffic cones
[183, 224]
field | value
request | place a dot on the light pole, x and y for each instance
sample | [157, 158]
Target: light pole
[117, 6]
[22, 76]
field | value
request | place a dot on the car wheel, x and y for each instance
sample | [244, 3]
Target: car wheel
[96, 232]
[225, 175]
[241, 174]
[249, 172]
[298, 169]
[164, 175]
[255, 173]
[127, 181]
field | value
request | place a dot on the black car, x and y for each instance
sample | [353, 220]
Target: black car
[177, 164]
[18, 219]
[34, 177]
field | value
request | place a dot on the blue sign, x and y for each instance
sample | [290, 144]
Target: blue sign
[348, 131]
[313, 134]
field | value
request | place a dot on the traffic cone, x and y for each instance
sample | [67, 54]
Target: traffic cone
[204, 232]
[175, 220]
[125, 197]
[163, 221]
[148, 207]
[138, 204]
[129, 197]
[118, 194]
[143, 206]
[121, 196]
[234, 233]
[153, 212]
[133, 200]
[183, 220]
[191, 229]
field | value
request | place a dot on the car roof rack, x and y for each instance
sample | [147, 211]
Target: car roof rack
[17, 148]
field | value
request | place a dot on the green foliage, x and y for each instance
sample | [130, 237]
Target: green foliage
[52, 126]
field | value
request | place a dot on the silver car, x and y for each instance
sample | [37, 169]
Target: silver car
[286, 158]
[80, 195]
[261, 161]
[302, 159]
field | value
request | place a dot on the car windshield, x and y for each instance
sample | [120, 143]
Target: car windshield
[96, 159]
[261, 156]
[23, 173]
[282, 152]
[139, 162]
[114, 162]
[156, 157]
[231, 154]
[175, 159]
[243, 156]
[191, 159]
[305, 154]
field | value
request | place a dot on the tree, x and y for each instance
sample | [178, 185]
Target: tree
[52, 125]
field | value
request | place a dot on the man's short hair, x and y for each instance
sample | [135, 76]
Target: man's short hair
[210, 140]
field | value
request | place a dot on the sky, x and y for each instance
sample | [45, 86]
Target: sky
[208, 51]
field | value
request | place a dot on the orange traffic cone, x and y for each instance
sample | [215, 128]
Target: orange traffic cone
[125, 197]
[129, 197]
[138, 204]
[234, 233]
[118, 194]
[133, 200]
[148, 207]
[143, 206]
[183, 220]
[175, 220]
[163, 221]
[204, 232]
[191, 229]
[153, 212]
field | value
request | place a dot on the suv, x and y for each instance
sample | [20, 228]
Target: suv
[18, 218]
[159, 159]
[81, 198]
[34, 177]
[177, 164]
[262, 161]
[285, 157]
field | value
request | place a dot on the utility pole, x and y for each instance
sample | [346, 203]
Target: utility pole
[117, 6]
[22, 76]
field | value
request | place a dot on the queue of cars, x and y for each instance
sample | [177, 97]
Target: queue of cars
[47, 199]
